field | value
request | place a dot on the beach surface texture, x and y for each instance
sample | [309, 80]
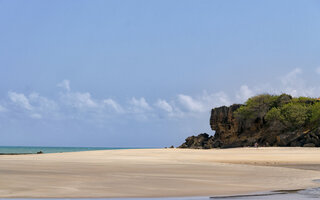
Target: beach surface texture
[158, 172]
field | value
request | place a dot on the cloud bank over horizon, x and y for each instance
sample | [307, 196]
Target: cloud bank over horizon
[79, 105]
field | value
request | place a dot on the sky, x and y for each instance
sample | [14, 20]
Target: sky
[135, 73]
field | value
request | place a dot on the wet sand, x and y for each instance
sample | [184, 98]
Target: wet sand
[158, 172]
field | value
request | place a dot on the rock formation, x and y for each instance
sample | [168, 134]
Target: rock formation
[244, 125]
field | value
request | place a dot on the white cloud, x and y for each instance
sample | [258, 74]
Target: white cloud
[295, 85]
[291, 77]
[42, 103]
[318, 70]
[140, 105]
[79, 100]
[113, 104]
[244, 93]
[203, 102]
[34, 105]
[164, 105]
[20, 99]
[65, 84]
[223, 98]
[189, 103]
[215, 99]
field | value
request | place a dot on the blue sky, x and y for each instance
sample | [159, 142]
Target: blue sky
[145, 73]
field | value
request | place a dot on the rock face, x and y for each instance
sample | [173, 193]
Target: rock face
[231, 131]
[202, 141]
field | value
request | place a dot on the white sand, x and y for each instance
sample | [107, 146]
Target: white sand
[157, 172]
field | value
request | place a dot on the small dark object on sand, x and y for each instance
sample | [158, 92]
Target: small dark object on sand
[39, 152]
[171, 147]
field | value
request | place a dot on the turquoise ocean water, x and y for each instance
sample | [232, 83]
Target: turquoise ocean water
[29, 149]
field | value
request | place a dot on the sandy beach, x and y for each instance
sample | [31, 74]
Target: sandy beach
[158, 172]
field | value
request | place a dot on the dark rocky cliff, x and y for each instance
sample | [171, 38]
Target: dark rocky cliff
[234, 131]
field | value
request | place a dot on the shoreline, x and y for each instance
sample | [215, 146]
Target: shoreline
[151, 173]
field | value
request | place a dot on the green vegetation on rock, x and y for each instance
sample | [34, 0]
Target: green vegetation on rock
[315, 114]
[291, 112]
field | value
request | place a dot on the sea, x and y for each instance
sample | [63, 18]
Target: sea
[35, 149]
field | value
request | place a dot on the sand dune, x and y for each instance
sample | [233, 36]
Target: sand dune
[158, 172]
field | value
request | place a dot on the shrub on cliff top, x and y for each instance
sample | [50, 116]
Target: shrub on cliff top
[256, 107]
[274, 115]
[291, 112]
[295, 115]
